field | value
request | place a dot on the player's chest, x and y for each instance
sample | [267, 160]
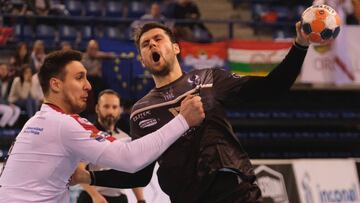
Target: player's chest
[152, 119]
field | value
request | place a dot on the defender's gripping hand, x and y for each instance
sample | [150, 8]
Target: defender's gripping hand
[192, 110]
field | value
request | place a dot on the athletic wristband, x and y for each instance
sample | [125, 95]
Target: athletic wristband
[141, 201]
[92, 178]
[297, 45]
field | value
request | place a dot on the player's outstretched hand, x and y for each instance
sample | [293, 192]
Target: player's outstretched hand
[192, 110]
[300, 37]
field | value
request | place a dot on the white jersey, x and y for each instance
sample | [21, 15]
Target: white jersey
[51, 144]
[107, 191]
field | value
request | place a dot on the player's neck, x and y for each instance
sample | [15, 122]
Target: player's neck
[173, 75]
[58, 102]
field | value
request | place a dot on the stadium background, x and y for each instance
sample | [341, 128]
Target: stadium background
[315, 128]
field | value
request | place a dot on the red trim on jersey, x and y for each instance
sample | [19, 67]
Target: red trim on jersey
[56, 108]
[111, 138]
[84, 123]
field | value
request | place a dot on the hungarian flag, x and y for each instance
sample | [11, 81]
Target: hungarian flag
[256, 58]
[200, 56]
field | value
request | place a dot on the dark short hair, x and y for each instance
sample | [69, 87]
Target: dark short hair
[149, 26]
[54, 66]
[108, 91]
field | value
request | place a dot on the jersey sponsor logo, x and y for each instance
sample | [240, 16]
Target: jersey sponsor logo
[33, 130]
[141, 115]
[100, 136]
[147, 123]
[168, 95]
[194, 80]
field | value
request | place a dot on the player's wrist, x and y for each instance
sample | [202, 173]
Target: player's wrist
[301, 45]
[92, 178]
[141, 201]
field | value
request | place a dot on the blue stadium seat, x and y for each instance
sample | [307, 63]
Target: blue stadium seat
[46, 33]
[24, 32]
[55, 2]
[94, 8]
[114, 32]
[86, 33]
[74, 7]
[114, 9]
[68, 33]
[136, 9]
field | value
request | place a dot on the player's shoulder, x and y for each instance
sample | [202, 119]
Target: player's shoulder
[147, 100]
[207, 71]
[57, 117]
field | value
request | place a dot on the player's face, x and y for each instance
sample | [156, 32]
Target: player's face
[108, 109]
[157, 51]
[75, 87]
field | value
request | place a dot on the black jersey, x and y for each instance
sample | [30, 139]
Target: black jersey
[187, 166]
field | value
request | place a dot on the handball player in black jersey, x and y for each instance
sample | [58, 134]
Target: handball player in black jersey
[208, 165]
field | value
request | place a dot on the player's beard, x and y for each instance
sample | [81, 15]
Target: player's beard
[164, 68]
[109, 120]
[163, 71]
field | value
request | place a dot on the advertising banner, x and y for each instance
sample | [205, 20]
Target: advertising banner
[327, 181]
[276, 180]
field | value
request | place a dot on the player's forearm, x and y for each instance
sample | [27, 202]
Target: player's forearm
[135, 155]
[119, 179]
[285, 74]
[91, 190]
[139, 193]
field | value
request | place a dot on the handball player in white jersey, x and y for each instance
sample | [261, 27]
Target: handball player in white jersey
[51, 144]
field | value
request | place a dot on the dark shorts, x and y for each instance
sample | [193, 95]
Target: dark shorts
[84, 197]
[226, 188]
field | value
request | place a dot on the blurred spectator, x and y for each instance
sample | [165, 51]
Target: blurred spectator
[65, 46]
[20, 58]
[187, 10]
[153, 16]
[6, 82]
[20, 93]
[36, 7]
[37, 56]
[10, 113]
[92, 60]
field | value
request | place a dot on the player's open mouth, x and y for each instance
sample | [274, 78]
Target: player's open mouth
[155, 56]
